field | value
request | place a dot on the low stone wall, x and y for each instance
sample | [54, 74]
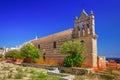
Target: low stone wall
[78, 71]
[35, 65]
[75, 70]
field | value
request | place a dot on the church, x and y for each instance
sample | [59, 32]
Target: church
[83, 31]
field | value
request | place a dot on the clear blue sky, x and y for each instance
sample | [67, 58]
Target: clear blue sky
[22, 20]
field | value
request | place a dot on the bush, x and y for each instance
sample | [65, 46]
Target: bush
[40, 76]
[73, 60]
[108, 76]
[13, 54]
[73, 48]
[19, 76]
[29, 51]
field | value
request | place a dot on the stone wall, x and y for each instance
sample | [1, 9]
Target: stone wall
[83, 31]
[101, 61]
[46, 44]
[77, 71]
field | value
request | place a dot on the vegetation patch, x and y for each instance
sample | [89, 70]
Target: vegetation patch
[19, 76]
[29, 51]
[75, 49]
[73, 60]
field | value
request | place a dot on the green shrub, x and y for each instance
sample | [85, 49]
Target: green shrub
[13, 54]
[53, 77]
[19, 69]
[19, 76]
[108, 77]
[29, 51]
[73, 48]
[72, 60]
[33, 71]
[40, 76]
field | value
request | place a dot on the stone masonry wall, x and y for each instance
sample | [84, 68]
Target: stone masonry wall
[83, 31]
[46, 44]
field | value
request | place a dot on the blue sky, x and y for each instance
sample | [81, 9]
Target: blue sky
[22, 20]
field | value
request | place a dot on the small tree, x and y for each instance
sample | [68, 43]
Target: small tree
[13, 54]
[29, 51]
[75, 49]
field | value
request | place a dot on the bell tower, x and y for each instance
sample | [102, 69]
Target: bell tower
[84, 30]
[84, 25]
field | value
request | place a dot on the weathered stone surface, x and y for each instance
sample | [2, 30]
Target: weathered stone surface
[68, 77]
[9, 70]
[84, 31]
[51, 69]
[64, 76]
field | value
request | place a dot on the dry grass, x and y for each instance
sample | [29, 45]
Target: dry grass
[47, 62]
[25, 73]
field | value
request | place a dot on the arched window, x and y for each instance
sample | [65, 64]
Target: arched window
[81, 25]
[38, 46]
[54, 44]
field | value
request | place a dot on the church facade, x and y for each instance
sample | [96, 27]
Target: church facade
[83, 31]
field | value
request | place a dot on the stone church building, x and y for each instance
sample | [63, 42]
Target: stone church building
[83, 31]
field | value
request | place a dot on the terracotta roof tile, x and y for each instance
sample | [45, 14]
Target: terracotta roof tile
[63, 34]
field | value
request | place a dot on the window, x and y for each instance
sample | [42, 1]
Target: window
[81, 25]
[38, 46]
[88, 26]
[54, 44]
[82, 41]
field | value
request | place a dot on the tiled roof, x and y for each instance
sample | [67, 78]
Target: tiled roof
[63, 34]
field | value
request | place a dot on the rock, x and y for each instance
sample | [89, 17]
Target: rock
[55, 70]
[70, 77]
